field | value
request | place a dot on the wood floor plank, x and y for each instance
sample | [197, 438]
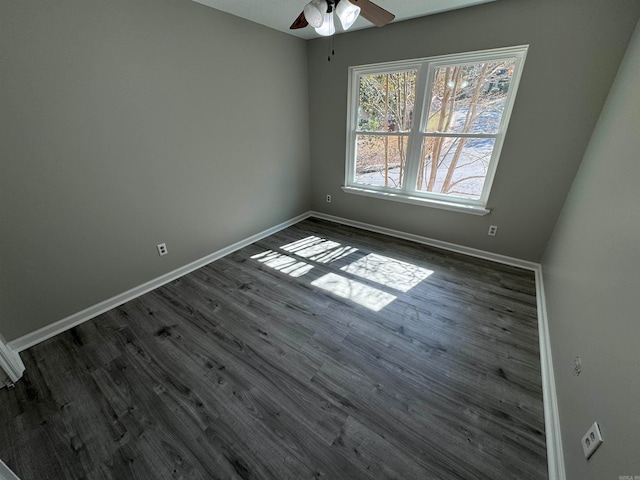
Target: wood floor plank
[376, 457]
[268, 364]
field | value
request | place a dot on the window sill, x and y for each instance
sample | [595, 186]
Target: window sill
[425, 202]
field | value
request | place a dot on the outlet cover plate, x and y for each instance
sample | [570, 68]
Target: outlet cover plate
[591, 440]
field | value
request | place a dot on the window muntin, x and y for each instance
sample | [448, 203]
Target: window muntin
[431, 128]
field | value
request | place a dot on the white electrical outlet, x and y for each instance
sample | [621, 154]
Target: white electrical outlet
[591, 440]
[493, 230]
[162, 249]
[328, 198]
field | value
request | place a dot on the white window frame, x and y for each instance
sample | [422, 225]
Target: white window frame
[425, 68]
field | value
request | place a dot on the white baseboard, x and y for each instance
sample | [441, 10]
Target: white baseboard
[452, 247]
[552, 423]
[6, 473]
[10, 362]
[44, 333]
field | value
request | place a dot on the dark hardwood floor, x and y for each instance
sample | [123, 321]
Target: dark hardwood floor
[322, 351]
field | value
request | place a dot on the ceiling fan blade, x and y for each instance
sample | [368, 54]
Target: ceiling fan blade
[372, 12]
[299, 22]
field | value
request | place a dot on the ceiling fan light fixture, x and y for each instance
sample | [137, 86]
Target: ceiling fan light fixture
[347, 13]
[327, 28]
[314, 12]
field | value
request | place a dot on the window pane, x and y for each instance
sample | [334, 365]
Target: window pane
[380, 160]
[454, 166]
[469, 98]
[385, 102]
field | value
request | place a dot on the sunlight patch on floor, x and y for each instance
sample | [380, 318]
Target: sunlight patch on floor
[319, 249]
[283, 263]
[387, 271]
[384, 271]
[357, 292]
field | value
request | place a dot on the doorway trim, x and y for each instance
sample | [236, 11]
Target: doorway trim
[11, 362]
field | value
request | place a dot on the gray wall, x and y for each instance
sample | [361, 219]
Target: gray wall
[575, 49]
[127, 123]
[591, 272]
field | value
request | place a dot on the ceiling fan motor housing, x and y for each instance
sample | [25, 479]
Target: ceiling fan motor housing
[320, 17]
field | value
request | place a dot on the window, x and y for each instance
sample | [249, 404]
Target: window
[429, 131]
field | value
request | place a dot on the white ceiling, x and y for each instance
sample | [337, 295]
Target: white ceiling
[280, 14]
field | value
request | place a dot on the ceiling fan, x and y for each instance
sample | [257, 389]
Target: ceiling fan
[319, 14]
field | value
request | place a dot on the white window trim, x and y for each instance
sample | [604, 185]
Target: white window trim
[429, 202]
[425, 68]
